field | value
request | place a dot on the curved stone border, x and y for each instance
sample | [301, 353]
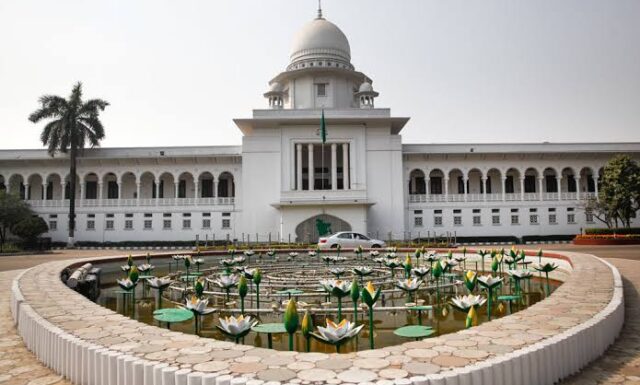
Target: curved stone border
[54, 335]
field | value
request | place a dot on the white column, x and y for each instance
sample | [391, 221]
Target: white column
[81, 197]
[157, 191]
[176, 184]
[446, 189]
[63, 187]
[427, 187]
[522, 188]
[214, 186]
[43, 191]
[299, 167]
[412, 185]
[578, 188]
[196, 185]
[483, 180]
[541, 195]
[100, 186]
[345, 165]
[138, 191]
[334, 166]
[504, 188]
[464, 187]
[311, 173]
[559, 184]
[596, 180]
[26, 192]
[120, 189]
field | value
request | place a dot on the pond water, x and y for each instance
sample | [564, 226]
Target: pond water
[304, 273]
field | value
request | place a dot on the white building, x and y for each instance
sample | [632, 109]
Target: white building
[282, 178]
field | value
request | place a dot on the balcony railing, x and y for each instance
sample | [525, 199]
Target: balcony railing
[145, 202]
[496, 197]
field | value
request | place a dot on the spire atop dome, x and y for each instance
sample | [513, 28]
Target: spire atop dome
[319, 9]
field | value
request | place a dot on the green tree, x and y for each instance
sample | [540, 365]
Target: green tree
[30, 228]
[12, 211]
[619, 193]
[73, 123]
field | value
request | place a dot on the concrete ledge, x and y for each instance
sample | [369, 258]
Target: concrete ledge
[588, 307]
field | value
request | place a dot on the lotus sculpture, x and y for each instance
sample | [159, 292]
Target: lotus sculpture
[392, 264]
[126, 284]
[470, 280]
[338, 288]
[145, 268]
[199, 308]
[546, 268]
[362, 271]
[489, 283]
[198, 262]
[464, 302]
[337, 334]
[517, 276]
[409, 286]
[370, 296]
[236, 327]
[159, 284]
[421, 271]
[337, 272]
[225, 282]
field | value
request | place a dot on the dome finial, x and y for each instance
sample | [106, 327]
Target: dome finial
[319, 9]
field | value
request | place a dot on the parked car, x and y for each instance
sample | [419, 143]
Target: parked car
[349, 240]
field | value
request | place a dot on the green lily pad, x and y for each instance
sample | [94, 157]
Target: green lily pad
[414, 331]
[273, 328]
[172, 315]
[508, 297]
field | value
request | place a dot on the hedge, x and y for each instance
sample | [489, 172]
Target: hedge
[619, 231]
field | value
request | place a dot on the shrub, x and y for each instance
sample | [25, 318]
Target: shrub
[620, 231]
[29, 229]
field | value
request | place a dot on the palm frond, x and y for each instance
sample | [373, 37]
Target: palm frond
[52, 106]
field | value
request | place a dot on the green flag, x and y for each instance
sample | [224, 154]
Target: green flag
[323, 128]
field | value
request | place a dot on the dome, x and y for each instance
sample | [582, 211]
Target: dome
[275, 87]
[365, 87]
[320, 39]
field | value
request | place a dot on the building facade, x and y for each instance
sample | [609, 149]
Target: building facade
[284, 179]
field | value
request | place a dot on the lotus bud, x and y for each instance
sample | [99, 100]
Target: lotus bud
[495, 264]
[307, 325]
[355, 290]
[449, 254]
[148, 258]
[242, 287]
[257, 277]
[445, 312]
[187, 261]
[370, 295]
[130, 260]
[291, 318]
[470, 280]
[133, 274]
[539, 253]
[513, 252]
[522, 255]
[472, 318]
[501, 308]
[464, 251]
[494, 252]
[417, 253]
[199, 287]
[436, 268]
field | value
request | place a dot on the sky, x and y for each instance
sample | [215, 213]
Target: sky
[177, 72]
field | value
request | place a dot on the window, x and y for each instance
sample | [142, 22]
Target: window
[533, 219]
[206, 223]
[477, 220]
[207, 215]
[186, 215]
[226, 214]
[571, 218]
[476, 211]
[508, 185]
[91, 224]
[589, 217]
[166, 224]
[53, 225]
[495, 211]
[128, 224]
[533, 210]
[417, 212]
[515, 219]
[457, 211]
[553, 220]
[529, 183]
[108, 224]
[148, 215]
[148, 224]
[436, 185]
[186, 223]
[552, 209]
[437, 221]
[109, 215]
[514, 210]
[166, 215]
[53, 216]
[112, 190]
[552, 183]
[128, 215]
[457, 220]
[321, 89]
[417, 221]
[495, 219]
[182, 188]
[460, 185]
[91, 190]
[437, 212]
[345, 236]
[226, 223]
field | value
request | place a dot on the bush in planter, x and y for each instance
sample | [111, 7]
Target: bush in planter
[620, 231]
[29, 229]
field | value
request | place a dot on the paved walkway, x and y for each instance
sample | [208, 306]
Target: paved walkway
[621, 363]
[17, 365]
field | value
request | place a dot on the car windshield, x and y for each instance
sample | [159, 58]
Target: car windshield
[360, 236]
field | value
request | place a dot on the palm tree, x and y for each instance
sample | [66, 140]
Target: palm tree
[73, 122]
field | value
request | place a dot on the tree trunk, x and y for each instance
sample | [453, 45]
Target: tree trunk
[72, 194]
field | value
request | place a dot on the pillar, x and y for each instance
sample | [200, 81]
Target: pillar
[446, 189]
[157, 190]
[177, 190]
[483, 180]
[427, 187]
[541, 194]
[81, 197]
[138, 191]
[299, 167]
[27, 193]
[196, 186]
[334, 166]
[559, 184]
[596, 190]
[465, 190]
[578, 188]
[119, 189]
[43, 191]
[522, 188]
[100, 186]
[312, 176]
[214, 186]
[63, 187]
[345, 165]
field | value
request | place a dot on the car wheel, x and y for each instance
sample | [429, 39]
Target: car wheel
[375, 246]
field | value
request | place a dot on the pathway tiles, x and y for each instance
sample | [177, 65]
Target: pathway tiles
[43, 289]
[17, 365]
[621, 363]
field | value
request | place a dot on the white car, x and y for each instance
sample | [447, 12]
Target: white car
[349, 240]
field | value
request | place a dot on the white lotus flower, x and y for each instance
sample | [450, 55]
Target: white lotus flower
[362, 270]
[431, 256]
[421, 271]
[312, 253]
[374, 253]
[198, 261]
[145, 267]
[236, 326]
[199, 305]
[249, 253]
[227, 262]
[392, 249]
[338, 271]
[225, 281]
[293, 254]
[334, 333]
[177, 257]
[239, 260]
[390, 255]
[125, 267]
[271, 253]
[520, 274]
[489, 281]
[465, 302]
[126, 284]
[249, 273]
[409, 284]
[378, 260]
[159, 283]
[337, 287]
[460, 258]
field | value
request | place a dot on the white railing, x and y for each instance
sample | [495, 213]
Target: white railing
[456, 197]
[550, 196]
[475, 197]
[146, 202]
[497, 197]
[569, 196]
[588, 195]
[531, 196]
[494, 197]
[512, 197]
[437, 198]
[417, 198]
